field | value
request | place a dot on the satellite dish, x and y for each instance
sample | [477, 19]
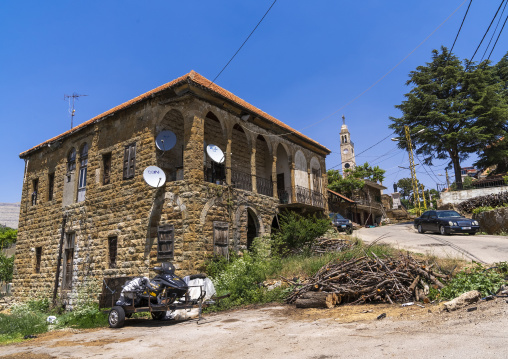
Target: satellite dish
[154, 176]
[165, 140]
[215, 153]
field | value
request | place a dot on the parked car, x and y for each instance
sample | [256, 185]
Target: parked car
[342, 224]
[445, 222]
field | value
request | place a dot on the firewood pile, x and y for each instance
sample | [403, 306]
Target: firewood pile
[367, 279]
[325, 245]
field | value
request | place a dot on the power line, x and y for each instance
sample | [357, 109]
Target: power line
[494, 32]
[500, 31]
[483, 38]
[460, 28]
[247, 39]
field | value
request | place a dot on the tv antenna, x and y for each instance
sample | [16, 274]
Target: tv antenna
[72, 111]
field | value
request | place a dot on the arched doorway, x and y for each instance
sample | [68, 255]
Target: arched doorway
[252, 227]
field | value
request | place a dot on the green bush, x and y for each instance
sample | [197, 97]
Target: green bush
[484, 280]
[297, 232]
[86, 316]
[19, 324]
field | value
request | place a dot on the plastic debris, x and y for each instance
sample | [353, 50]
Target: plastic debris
[408, 304]
[51, 319]
[472, 309]
[381, 316]
[30, 336]
[421, 306]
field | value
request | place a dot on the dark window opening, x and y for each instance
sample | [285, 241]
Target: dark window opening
[129, 161]
[51, 186]
[68, 261]
[112, 250]
[83, 165]
[38, 256]
[71, 160]
[221, 238]
[106, 175]
[165, 242]
[252, 230]
[35, 189]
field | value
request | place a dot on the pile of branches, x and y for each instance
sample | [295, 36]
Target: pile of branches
[371, 279]
[325, 245]
[491, 200]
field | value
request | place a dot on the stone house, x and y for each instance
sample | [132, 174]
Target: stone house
[87, 213]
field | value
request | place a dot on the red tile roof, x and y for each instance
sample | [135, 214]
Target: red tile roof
[341, 196]
[198, 79]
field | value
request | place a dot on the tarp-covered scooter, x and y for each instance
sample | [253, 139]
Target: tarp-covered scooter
[166, 292]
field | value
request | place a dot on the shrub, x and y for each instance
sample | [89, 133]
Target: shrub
[484, 280]
[298, 232]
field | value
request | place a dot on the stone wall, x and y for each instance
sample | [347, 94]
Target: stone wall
[493, 222]
[130, 210]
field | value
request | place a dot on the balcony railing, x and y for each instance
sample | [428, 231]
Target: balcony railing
[306, 196]
[241, 180]
[284, 195]
[264, 186]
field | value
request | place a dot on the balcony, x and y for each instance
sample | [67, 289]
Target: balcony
[241, 180]
[264, 186]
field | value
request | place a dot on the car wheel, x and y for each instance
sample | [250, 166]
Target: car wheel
[472, 233]
[420, 229]
[116, 317]
[442, 230]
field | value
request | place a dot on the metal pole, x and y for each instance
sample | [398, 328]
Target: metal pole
[414, 181]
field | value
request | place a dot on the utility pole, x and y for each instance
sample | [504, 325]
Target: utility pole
[414, 181]
[447, 180]
[424, 201]
[72, 111]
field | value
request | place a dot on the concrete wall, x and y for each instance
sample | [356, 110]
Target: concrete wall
[455, 197]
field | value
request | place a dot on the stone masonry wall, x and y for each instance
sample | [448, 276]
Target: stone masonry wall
[128, 208]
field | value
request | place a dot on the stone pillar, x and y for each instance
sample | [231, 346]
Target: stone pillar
[228, 158]
[293, 187]
[194, 125]
[253, 169]
[274, 177]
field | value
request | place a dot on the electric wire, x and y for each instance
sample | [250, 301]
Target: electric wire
[500, 31]
[494, 32]
[247, 39]
[460, 28]
[486, 32]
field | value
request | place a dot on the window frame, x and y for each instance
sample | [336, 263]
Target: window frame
[165, 252]
[38, 259]
[106, 170]
[35, 190]
[112, 257]
[51, 186]
[129, 161]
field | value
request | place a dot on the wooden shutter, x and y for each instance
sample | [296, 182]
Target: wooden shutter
[221, 238]
[126, 163]
[132, 160]
[165, 242]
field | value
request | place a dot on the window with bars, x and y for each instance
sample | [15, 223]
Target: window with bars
[68, 261]
[106, 165]
[221, 238]
[165, 242]
[35, 190]
[129, 161]
[38, 256]
[51, 186]
[112, 251]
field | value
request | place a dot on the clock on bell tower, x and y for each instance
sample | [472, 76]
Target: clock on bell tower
[347, 148]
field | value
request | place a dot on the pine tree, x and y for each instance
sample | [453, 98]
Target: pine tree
[461, 108]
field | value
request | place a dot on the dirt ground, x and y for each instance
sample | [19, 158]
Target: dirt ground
[287, 332]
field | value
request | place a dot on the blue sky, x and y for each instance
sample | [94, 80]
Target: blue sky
[305, 62]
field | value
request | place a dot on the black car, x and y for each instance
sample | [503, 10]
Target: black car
[445, 222]
[342, 224]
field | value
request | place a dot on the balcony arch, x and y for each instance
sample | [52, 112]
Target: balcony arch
[240, 159]
[214, 134]
[171, 160]
[264, 183]
[283, 173]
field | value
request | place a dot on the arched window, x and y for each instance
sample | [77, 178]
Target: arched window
[83, 164]
[71, 160]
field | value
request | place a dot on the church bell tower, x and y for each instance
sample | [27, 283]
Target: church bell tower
[347, 148]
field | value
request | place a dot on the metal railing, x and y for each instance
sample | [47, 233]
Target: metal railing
[475, 184]
[241, 180]
[284, 195]
[264, 186]
[318, 200]
[303, 195]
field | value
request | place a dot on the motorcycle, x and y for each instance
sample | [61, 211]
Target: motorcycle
[166, 292]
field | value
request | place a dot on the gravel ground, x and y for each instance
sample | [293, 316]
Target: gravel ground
[286, 332]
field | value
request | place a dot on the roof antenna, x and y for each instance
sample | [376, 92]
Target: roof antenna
[72, 111]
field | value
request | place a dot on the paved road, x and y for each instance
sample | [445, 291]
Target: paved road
[482, 248]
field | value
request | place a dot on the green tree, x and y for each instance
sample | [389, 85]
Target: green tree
[405, 186]
[354, 178]
[461, 108]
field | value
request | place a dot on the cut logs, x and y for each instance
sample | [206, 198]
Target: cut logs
[366, 279]
[316, 300]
